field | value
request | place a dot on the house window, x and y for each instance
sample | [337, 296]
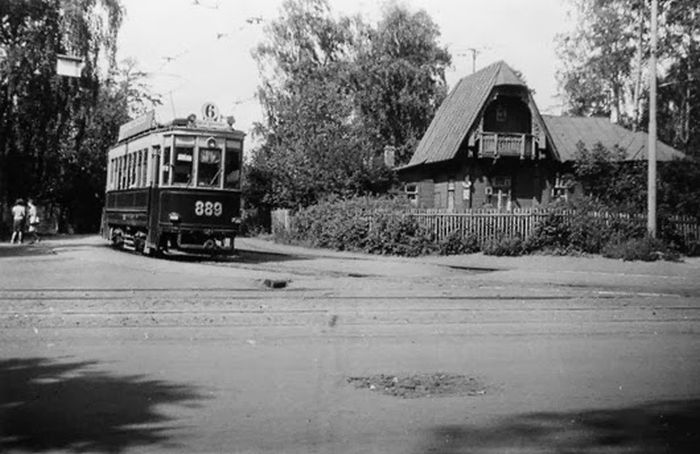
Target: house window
[563, 184]
[501, 113]
[411, 190]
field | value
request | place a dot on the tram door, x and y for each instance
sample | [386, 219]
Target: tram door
[153, 200]
[155, 168]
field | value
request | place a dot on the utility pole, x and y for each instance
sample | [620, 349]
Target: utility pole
[651, 152]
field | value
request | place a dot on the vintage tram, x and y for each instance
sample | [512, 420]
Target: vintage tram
[175, 187]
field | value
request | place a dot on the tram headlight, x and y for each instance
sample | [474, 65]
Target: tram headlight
[174, 217]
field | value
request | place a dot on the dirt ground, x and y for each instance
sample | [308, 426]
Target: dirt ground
[108, 351]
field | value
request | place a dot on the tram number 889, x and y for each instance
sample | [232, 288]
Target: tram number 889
[202, 208]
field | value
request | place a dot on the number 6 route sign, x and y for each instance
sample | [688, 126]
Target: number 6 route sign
[210, 111]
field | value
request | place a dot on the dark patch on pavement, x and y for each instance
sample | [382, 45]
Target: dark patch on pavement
[658, 427]
[24, 250]
[472, 269]
[72, 407]
[275, 283]
[420, 385]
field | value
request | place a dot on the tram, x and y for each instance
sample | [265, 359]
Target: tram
[175, 187]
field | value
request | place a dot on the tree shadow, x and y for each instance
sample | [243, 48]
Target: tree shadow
[660, 427]
[70, 406]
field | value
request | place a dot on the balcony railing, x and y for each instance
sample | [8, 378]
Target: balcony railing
[498, 144]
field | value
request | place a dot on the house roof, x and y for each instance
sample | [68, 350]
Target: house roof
[567, 132]
[458, 112]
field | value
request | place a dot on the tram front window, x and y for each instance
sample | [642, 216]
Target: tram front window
[233, 169]
[182, 170]
[209, 167]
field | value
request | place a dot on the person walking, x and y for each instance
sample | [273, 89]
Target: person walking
[19, 214]
[33, 219]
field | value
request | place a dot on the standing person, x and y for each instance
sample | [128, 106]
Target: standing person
[33, 219]
[19, 213]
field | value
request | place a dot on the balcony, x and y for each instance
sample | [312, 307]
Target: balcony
[500, 144]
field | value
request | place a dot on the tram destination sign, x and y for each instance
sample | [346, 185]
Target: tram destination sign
[137, 125]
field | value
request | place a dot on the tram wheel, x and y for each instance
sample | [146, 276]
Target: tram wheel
[139, 244]
[117, 239]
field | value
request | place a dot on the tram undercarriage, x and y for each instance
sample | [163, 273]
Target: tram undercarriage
[209, 242]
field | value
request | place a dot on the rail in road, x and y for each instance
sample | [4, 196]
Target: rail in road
[539, 310]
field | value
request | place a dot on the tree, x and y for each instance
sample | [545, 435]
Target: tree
[597, 56]
[400, 78]
[621, 185]
[604, 64]
[335, 91]
[54, 130]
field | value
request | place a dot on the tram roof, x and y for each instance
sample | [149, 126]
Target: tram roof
[187, 127]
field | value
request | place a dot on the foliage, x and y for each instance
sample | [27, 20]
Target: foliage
[620, 185]
[361, 224]
[605, 65]
[678, 191]
[382, 226]
[583, 231]
[457, 243]
[398, 235]
[504, 246]
[399, 78]
[54, 130]
[335, 92]
[597, 56]
[646, 249]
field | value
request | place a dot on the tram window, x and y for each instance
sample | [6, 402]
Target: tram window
[115, 174]
[144, 169]
[110, 185]
[132, 169]
[209, 167]
[165, 167]
[137, 168]
[233, 169]
[137, 179]
[122, 170]
[182, 170]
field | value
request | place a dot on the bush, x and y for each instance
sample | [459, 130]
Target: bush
[398, 235]
[582, 232]
[457, 243]
[377, 226]
[646, 249]
[692, 248]
[504, 246]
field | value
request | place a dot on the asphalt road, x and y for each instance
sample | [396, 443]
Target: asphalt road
[108, 351]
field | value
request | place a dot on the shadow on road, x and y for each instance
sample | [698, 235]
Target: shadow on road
[661, 427]
[68, 406]
[24, 250]
[241, 256]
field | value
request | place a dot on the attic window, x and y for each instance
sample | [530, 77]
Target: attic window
[500, 113]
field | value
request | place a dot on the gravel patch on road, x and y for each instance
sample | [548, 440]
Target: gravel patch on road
[420, 385]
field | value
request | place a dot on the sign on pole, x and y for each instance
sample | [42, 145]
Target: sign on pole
[69, 66]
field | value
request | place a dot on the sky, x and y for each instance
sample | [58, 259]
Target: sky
[198, 51]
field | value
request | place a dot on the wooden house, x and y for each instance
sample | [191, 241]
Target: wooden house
[489, 146]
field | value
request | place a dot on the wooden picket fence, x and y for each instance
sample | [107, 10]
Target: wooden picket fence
[483, 226]
[487, 224]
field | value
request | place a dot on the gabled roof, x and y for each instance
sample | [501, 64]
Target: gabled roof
[458, 112]
[567, 132]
